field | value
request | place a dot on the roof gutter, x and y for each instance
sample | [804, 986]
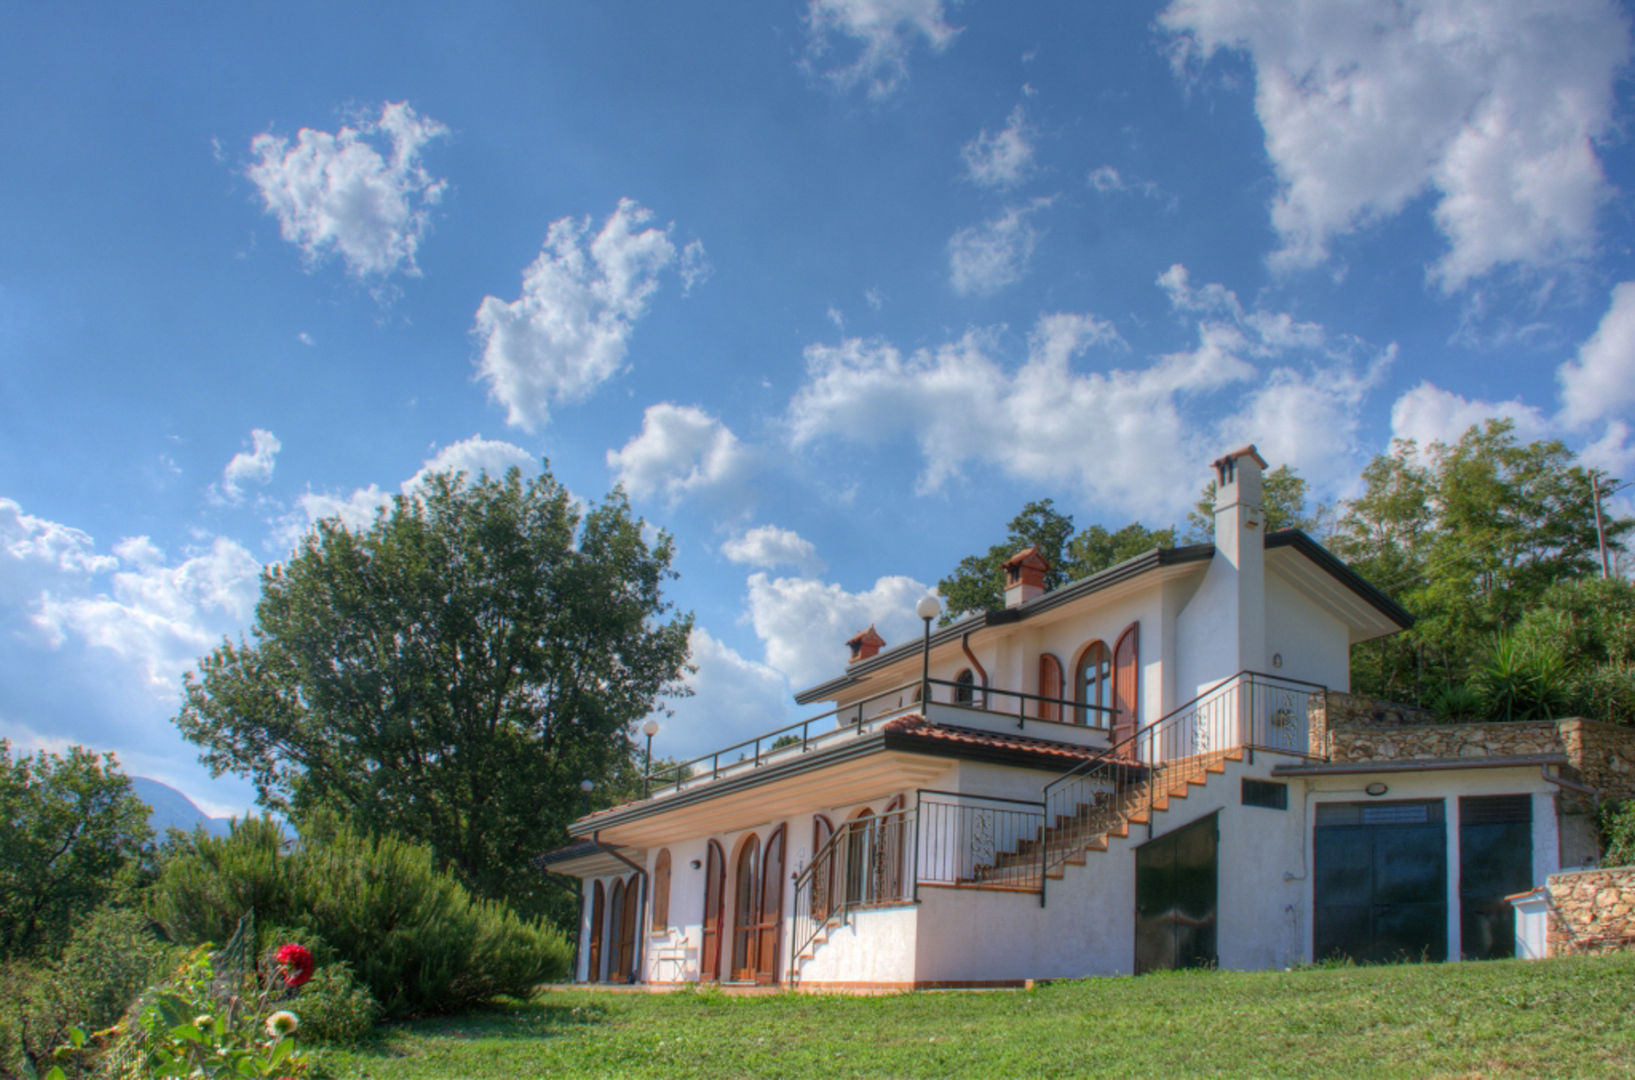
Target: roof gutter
[965, 644]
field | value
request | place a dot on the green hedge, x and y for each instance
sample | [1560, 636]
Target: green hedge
[410, 932]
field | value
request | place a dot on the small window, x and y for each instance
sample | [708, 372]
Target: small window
[661, 892]
[964, 683]
[1265, 793]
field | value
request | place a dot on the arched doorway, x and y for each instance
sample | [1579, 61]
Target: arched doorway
[823, 869]
[769, 912]
[1126, 697]
[1092, 683]
[715, 887]
[746, 908]
[629, 916]
[593, 958]
[617, 963]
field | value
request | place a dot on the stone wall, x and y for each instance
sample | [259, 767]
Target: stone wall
[1396, 740]
[1591, 911]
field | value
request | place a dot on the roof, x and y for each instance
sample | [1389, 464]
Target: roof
[1356, 768]
[906, 730]
[1136, 566]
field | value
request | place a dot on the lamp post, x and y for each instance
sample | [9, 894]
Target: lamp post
[927, 610]
[650, 729]
[585, 787]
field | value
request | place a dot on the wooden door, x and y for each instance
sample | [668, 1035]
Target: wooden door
[715, 887]
[769, 913]
[823, 871]
[1050, 686]
[617, 962]
[746, 909]
[598, 905]
[628, 926]
[1126, 683]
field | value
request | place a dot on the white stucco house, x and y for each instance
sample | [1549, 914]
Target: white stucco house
[1125, 774]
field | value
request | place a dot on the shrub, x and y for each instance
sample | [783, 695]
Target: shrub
[1524, 678]
[334, 1007]
[1457, 701]
[1618, 834]
[110, 957]
[411, 934]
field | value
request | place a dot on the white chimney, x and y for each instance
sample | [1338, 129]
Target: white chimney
[1240, 549]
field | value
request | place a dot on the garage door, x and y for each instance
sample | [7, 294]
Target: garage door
[1381, 881]
[1175, 893]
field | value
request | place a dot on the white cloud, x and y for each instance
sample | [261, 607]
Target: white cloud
[475, 456]
[39, 544]
[1131, 437]
[733, 699]
[681, 450]
[306, 339]
[1106, 180]
[768, 547]
[361, 193]
[874, 298]
[696, 267]
[1493, 105]
[883, 30]
[1428, 414]
[1000, 159]
[805, 623]
[252, 466]
[985, 258]
[569, 330]
[1600, 382]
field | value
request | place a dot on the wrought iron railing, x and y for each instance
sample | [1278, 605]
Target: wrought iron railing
[867, 862]
[1043, 709]
[979, 840]
[1246, 712]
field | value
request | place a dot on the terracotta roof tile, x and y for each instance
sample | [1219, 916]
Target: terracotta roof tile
[919, 727]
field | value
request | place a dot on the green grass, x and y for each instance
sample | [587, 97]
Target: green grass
[1559, 1018]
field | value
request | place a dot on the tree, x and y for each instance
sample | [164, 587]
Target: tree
[68, 827]
[451, 673]
[1468, 537]
[978, 582]
[1283, 492]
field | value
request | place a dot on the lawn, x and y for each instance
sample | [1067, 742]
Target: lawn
[1571, 1017]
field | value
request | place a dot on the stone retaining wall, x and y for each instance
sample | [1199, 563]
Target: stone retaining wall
[1591, 911]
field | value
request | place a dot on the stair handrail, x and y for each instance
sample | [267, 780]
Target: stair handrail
[839, 901]
[1122, 766]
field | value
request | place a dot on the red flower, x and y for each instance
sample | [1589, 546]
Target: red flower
[294, 964]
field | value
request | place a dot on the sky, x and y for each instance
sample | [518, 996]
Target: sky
[832, 288]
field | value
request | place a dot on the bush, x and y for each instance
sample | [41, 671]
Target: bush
[1524, 677]
[412, 934]
[334, 1007]
[1456, 702]
[110, 957]
[1618, 834]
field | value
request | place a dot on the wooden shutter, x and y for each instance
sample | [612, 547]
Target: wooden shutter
[769, 921]
[823, 870]
[746, 908]
[618, 963]
[715, 884]
[598, 905]
[661, 892]
[627, 940]
[1050, 686]
[1126, 683]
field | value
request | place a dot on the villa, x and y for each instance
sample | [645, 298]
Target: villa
[1133, 772]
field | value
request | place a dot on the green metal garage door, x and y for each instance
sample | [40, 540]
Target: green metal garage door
[1175, 893]
[1381, 881]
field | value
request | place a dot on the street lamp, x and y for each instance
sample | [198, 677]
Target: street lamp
[585, 788]
[927, 610]
[650, 729]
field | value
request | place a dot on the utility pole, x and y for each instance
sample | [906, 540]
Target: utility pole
[1600, 531]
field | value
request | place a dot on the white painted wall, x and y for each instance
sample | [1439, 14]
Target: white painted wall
[1314, 643]
[875, 945]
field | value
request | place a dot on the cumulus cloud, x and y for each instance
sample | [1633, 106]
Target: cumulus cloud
[37, 544]
[1000, 159]
[361, 193]
[569, 330]
[1130, 436]
[1428, 414]
[475, 456]
[769, 547]
[1494, 106]
[984, 258]
[804, 623]
[734, 698]
[252, 466]
[883, 31]
[681, 450]
[1600, 381]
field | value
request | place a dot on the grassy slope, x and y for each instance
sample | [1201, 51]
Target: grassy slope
[1573, 1017]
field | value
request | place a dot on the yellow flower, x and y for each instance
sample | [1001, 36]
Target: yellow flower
[281, 1023]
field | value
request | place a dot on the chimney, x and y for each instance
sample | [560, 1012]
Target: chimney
[865, 645]
[1024, 577]
[1240, 549]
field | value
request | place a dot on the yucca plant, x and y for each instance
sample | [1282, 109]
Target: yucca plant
[1523, 678]
[1458, 702]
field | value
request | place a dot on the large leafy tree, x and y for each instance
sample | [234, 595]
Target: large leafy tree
[450, 673]
[978, 582]
[69, 828]
[1469, 537]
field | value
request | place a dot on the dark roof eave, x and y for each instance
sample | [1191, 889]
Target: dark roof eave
[1342, 573]
[1355, 768]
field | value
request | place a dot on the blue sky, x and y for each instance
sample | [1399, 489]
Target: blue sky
[832, 288]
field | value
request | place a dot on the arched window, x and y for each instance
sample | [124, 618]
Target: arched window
[661, 892]
[715, 889]
[618, 960]
[855, 873]
[769, 915]
[598, 915]
[964, 687]
[627, 936]
[823, 868]
[1050, 686]
[1092, 679]
[746, 908]
[1126, 697]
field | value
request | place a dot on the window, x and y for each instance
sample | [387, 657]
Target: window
[661, 891]
[1050, 686]
[964, 683]
[1266, 794]
[1092, 682]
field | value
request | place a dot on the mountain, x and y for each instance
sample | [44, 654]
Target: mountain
[172, 809]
